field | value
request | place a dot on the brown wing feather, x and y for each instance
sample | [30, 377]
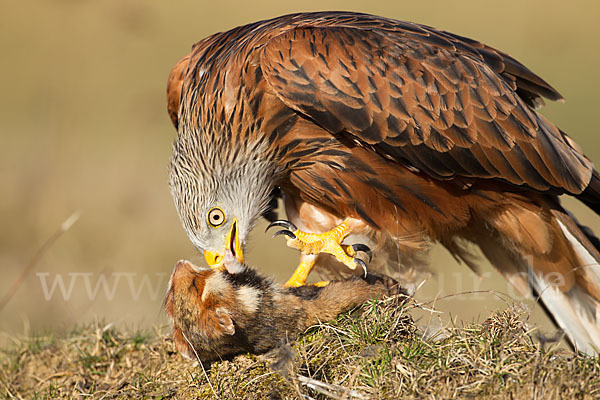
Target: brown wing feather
[428, 99]
[174, 85]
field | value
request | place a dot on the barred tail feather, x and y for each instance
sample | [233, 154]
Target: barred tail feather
[577, 311]
[547, 252]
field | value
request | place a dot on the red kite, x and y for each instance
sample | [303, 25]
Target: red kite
[386, 135]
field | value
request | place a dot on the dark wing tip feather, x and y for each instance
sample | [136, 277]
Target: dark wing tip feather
[591, 195]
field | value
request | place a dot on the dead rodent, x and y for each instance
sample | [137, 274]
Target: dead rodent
[222, 314]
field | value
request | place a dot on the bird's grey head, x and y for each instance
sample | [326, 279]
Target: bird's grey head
[219, 192]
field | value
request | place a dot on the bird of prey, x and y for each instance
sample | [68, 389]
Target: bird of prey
[386, 136]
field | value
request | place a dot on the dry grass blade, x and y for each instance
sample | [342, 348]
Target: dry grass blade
[329, 390]
[65, 226]
[212, 389]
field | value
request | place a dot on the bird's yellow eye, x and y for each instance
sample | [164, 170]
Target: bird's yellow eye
[215, 217]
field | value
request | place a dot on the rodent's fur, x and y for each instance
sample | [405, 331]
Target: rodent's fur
[222, 314]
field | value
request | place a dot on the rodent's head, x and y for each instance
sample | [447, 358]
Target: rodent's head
[198, 303]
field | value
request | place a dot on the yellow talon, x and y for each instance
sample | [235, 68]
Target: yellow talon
[328, 242]
[317, 243]
[349, 250]
[301, 273]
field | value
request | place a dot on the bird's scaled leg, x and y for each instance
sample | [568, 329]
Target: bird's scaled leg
[300, 275]
[316, 243]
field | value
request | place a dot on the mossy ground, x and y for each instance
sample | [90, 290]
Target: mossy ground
[374, 352]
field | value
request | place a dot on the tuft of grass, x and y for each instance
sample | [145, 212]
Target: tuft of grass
[376, 351]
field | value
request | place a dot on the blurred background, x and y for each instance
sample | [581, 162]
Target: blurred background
[84, 127]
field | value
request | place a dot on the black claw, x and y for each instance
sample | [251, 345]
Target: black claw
[284, 223]
[286, 233]
[362, 264]
[364, 248]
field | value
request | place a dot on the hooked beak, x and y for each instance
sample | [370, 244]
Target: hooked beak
[232, 244]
